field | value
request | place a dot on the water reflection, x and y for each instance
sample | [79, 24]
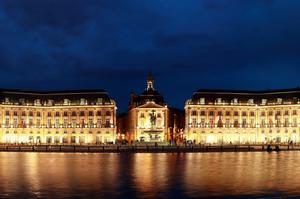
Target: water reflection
[82, 175]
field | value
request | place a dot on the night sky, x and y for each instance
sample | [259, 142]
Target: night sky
[112, 45]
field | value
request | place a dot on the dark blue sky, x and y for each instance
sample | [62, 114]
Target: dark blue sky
[112, 44]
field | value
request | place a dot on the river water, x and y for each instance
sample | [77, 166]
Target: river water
[146, 175]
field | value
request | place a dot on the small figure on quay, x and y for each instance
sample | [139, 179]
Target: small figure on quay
[269, 148]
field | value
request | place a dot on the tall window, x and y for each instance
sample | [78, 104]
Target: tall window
[65, 123]
[227, 123]
[194, 122]
[57, 122]
[202, 122]
[99, 123]
[107, 123]
[236, 123]
[91, 123]
[244, 123]
[49, 125]
[74, 123]
[38, 123]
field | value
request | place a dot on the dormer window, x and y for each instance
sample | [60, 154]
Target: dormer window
[202, 100]
[235, 100]
[83, 101]
[279, 100]
[67, 102]
[37, 102]
[219, 100]
[99, 101]
[142, 115]
[264, 101]
[251, 101]
[50, 102]
[6, 100]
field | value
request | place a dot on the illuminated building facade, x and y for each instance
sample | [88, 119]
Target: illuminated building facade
[224, 116]
[68, 117]
[149, 119]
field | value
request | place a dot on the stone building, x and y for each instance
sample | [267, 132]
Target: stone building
[225, 116]
[63, 117]
[149, 118]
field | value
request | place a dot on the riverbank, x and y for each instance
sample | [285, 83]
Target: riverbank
[146, 148]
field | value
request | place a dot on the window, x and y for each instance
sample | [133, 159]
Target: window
[211, 123]
[227, 123]
[30, 113]
[294, 112]
[263, 122]
[202, 113]
[236, 123]
[108, 113]
[219, 113]
[236, 113]
[38, 114]
[57, 123]
[57, 114]
[65, 114]
[81, 113]
[220, 123]
[99, 123]
[7, 113]
[15, 122]
[202, 122]
[244, 123]
[270, 122]
[74, 113]
[15, 113]
[23, 113]
[158, 115]
[278, 123]
[227, 113]
[278, 113]
[91, 123]
[244, 113]
[263, 113]
[49, 114]
[74, 123]
[49, 122]
[194, 113]
[252, 124]
[251, 113]
[294, 122]
[211, 113]
[7, 122]
[65, 124]
[91, 113]
[98, 113]
[270, 113]
[30, 122]
[194, 122]
[286, 122]
[142, 115]
[107, 123]
[38, 123]
[286, 112]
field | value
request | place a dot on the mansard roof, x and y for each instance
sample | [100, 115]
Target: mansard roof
[291, 95]
[29, 96]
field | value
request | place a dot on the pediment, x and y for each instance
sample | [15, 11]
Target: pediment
[150, 105]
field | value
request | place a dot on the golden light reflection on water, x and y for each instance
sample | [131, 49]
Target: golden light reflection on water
[149, 175]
